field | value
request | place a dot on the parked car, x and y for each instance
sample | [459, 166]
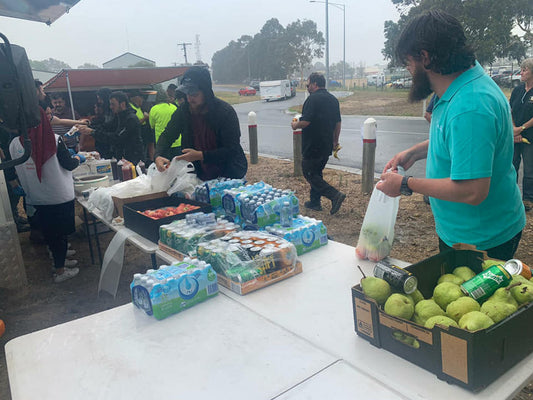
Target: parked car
[402, 83]
[247, 91]
[255, 84]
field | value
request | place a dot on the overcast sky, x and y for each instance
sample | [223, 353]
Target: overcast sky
[96, 31]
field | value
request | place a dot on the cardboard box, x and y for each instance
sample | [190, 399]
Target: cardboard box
[472, 360]
[148, 227]
[120, 201]
[261, 281]
[244, 287]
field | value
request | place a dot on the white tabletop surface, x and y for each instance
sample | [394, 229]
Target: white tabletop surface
[217, 349]
[294, 339]
[317, 305]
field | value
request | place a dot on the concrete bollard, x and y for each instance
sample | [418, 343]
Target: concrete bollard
[297, 148]
[369, 155]
[252, 135]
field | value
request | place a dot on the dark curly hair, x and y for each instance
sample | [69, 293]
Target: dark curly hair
[317, 78]
[442, 36]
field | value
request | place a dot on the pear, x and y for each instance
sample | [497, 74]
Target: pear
[474, 321]
[446, 292]
[523, 293]
[406, 339]
[464, 273]
[497, 310]
[463, 305]
[376, 288]
[450, 278]
[518, 279]
[490, 262]
[399, 305]
[504, 295]
[416, 296]
[426, 309]
[441, 320]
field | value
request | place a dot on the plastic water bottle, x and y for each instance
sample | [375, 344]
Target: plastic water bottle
[285, 215]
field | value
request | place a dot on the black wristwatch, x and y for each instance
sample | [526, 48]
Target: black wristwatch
[404, 188]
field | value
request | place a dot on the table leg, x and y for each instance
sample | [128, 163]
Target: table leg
[88, 233]
[97, 239]
[154, 261]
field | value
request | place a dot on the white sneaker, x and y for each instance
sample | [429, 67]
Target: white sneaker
[67, 274]
[71, 263]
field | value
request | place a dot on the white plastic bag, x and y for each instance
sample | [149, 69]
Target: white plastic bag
[185, 182]
[163, 181]
[377, 231]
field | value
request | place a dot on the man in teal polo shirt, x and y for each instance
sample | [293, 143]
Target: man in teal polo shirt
[470, 178]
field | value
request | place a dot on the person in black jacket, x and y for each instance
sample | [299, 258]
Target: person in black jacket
[125, 140]
[210, 131]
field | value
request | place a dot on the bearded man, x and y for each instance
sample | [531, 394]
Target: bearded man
[470, 178]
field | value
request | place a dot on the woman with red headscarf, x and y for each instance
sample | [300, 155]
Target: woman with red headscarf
[47, 181]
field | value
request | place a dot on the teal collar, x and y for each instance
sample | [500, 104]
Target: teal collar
[469, 75]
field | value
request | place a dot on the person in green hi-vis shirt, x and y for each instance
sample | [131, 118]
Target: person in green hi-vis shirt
[136, 102]
[160, 114]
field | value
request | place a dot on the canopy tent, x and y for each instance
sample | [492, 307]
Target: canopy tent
[46, 11]
[120, 78]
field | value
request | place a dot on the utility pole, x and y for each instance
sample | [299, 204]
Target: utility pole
[184, 45]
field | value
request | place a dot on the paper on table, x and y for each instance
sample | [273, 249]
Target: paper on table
[113, 262]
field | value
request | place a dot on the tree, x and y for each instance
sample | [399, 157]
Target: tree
[304, 44]
[142, 64]
[273, 53]
[336, 71]
[88, 66]
[50, 65]
[488, 25]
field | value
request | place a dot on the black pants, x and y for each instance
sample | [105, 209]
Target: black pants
[504, 251]
[524, 152]
[312, 169]
[56, 222]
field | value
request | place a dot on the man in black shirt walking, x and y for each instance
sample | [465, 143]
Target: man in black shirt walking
[321, 126]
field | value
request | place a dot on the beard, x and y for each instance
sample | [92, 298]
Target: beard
[421, 87]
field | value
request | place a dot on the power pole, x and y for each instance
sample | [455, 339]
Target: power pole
[197, 48]
[184, 45]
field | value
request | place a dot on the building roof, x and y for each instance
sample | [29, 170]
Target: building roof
[122, 55]
[112, 78]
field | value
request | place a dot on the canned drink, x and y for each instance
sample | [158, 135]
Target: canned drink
[514, 267]
[243, 274]
[399, 278]
[484, 284]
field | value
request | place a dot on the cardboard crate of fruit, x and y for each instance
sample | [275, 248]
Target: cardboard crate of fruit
[438, 327]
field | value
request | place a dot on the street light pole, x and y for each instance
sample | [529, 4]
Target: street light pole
[340, 6]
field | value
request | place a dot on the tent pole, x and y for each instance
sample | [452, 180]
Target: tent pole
[70, 96]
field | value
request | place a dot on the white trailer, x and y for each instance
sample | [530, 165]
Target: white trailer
[275, 90]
